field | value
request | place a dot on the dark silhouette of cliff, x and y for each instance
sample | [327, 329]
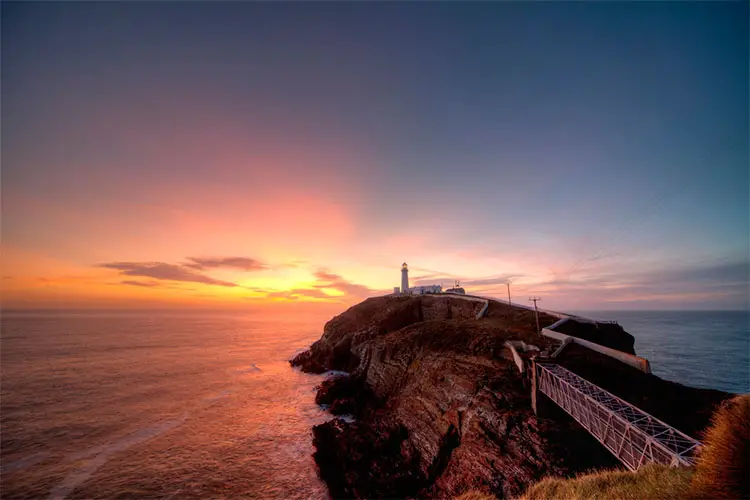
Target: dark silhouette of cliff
[440, 408]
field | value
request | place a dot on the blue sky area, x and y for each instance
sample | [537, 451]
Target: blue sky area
[596, 153]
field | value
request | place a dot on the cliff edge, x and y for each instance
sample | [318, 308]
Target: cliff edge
[439, 406]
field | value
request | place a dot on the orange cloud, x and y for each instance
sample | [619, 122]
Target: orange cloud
[164, 271]
[241, 263]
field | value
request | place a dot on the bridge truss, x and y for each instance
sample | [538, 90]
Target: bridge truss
[632, 435]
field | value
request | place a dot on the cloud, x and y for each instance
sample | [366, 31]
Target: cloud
[67, 280]
[432, 272]
[432, 276]
[164, 271]
[324, 275]
[140, 283]
[710, 273]
[336, 282]
[429, 279]
[294, 263]
[241, 263]
[721, 284]
[298, 293]
[432, 279]
[325, 280]
[715, 274]
[493, 280]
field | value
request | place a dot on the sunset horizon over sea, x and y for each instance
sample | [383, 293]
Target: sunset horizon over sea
[331, 144]
[247, 248]
[95, 403]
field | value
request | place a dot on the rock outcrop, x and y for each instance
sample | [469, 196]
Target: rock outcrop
[372, 318]
[440, 407]
[607, 334]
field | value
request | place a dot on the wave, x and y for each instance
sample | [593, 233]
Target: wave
[102, 453]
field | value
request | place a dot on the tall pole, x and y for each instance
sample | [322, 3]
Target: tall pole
[536, 313]
[509, 294]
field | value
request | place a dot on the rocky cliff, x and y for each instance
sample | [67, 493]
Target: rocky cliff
[607, 334]
[439, 406]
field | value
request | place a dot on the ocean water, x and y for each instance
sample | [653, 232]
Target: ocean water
[123, 405]
[708, 349]
[130, 405]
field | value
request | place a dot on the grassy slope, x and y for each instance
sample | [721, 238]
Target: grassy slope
[722, 471]
[653, 482]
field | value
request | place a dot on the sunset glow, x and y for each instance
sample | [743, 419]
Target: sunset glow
[244, 168]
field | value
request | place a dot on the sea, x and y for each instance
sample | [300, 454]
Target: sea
[708, 349]
[156, 405]
[171, 405]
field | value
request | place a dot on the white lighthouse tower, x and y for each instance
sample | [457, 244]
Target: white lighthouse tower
[404, 278]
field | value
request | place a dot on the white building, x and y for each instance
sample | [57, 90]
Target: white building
[421, 290]
[416, 290]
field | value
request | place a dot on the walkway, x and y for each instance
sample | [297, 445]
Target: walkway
[632, 435]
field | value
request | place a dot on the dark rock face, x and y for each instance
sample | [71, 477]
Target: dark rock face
[358, 324]
[440, 406]
[688, 409]
[367, 459]
[606, 334]
[372, 318]
[345, 395]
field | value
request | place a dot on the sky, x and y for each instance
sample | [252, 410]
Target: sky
[290, 156]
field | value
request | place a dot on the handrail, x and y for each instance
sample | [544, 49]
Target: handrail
[516, 356]
[636, 362]
[632, 435]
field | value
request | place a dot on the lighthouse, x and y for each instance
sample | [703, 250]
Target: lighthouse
[404, 278]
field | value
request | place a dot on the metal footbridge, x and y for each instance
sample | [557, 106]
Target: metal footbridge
[632, 435]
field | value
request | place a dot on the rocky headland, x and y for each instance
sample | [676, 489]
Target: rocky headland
[440, 408]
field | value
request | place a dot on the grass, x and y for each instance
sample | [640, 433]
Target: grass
[652, 482]
[722, 470]
[475, 495]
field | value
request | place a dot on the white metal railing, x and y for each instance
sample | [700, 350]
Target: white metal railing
[636, 362]
[632, 435]
[481, 313]
[516, 356]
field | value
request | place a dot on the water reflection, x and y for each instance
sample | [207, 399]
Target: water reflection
[172, 407]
